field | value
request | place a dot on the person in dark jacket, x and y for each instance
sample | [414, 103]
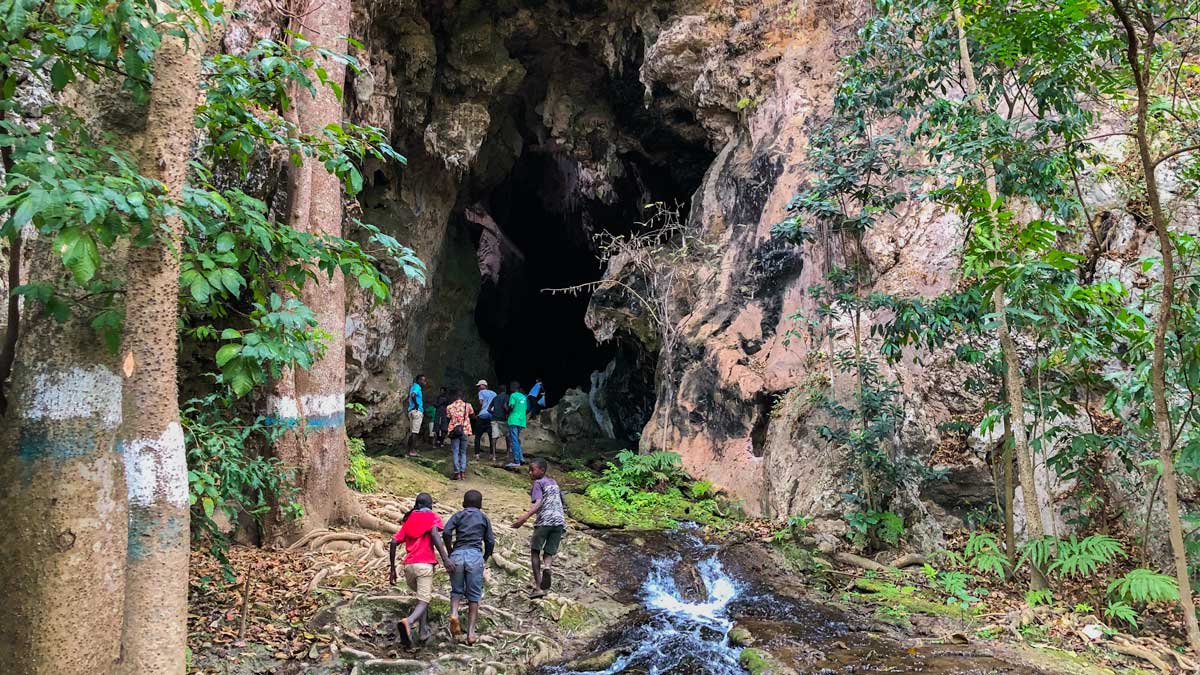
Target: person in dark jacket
[440, 421]
[470, 540]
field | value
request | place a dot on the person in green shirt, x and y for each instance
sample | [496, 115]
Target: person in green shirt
[517, 405]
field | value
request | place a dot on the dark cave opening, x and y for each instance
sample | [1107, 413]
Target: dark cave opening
[538, 226]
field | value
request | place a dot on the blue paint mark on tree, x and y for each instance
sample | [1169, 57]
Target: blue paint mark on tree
[319, 422]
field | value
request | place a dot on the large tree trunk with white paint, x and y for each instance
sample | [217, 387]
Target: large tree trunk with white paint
[63, 494]
[312, 402]
[155, 621]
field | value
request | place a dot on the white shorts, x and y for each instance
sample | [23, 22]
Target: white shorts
[414, 420]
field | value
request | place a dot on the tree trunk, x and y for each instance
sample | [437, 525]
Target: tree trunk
[1010, 535]
[1158, 384]
[156, 580]
[1014, 379]
[312, 402]
[63, 496]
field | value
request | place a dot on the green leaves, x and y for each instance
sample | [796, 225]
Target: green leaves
[1142, 585]
[79, 253]
[223, 472]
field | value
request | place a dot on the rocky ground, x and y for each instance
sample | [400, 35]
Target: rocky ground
[324, 606]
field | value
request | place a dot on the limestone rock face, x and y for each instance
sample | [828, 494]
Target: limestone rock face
[611, 100]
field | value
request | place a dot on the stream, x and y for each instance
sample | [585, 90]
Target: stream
[692, 595]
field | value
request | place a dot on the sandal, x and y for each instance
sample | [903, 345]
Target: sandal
[539, 593]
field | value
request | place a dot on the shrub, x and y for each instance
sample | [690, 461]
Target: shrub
[224, 471]
[358, 473]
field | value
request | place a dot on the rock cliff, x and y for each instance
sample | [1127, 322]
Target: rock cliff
[530, 127]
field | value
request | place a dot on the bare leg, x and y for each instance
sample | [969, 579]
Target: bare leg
[472, 618]
[454, 603]
[413, 621]
[547, 563]
[535, 563]
[426, 633]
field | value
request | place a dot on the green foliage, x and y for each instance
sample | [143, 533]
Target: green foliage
[868, 526]
[984, 553]
[1121, 610]
[653, 471]
[649, 488]
[1142, 586]
[700, 489]
[794, 525]
[955, 585]
[1043, 596]
[224, 469]
[358, 474]
[1080, 559]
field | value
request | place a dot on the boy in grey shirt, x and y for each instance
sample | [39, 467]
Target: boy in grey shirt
[549, 527]
[470, 540]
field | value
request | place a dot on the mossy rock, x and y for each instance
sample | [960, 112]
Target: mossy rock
[404, 478]
[758, 662]
[741, 636]
[596, 662]
[907, 598]
[571, 616]
[593, 513]
[495, 474]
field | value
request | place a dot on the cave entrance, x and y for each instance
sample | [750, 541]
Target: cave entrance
[532, 331]
[534, 222]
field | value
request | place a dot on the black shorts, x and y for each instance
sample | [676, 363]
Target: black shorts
[546, 539]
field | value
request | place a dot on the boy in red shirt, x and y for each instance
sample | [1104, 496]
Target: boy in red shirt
[420, 532]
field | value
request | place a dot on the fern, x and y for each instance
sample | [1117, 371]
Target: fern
[1040, 597]
[984, 554]
[1121, 610]
[1082, 558]
[1038, 552]
[1143, 585]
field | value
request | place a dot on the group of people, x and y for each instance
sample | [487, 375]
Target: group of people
[501, 415]
[463, 544]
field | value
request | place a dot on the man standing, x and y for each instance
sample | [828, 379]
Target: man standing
[485, 417]
[549, 527]
[517, 405]
[537, 397]
[416, 413]
[499, 412]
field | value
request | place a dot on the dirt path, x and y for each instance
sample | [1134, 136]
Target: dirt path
[326, 607]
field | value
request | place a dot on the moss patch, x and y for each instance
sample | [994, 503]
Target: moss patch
[593, 512]
[908, 598]
[404, 478]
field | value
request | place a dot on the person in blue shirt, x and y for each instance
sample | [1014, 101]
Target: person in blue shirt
[416, 413]
[485, 417]
[537, 397]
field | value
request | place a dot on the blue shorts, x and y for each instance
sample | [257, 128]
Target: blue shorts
[467, 579]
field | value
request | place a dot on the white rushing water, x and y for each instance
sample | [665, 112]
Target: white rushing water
[682, 634]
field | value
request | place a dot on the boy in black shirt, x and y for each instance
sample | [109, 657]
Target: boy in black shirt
[470, 540]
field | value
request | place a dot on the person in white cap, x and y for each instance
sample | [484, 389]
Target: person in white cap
[485, 415]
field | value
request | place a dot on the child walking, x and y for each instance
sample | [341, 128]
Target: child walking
[470, 539]
[548, 529]
[421, 533]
